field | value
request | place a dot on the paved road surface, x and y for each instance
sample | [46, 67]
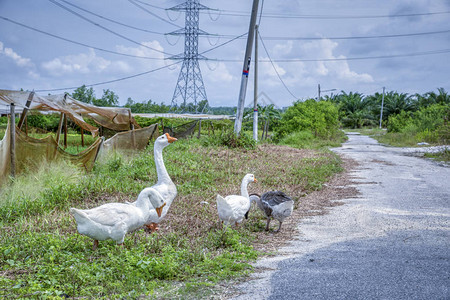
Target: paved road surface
[393, 242]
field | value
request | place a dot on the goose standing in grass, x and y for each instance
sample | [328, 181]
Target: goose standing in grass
[233, 208]
[274, 204]
[164, 186]
[115, 220]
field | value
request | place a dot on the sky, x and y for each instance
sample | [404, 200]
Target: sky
[346, 45]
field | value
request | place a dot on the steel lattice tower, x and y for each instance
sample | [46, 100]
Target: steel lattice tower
[190, 87]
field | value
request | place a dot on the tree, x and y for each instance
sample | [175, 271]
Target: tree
[395, 103]
[109, 98]
[354, 109]
[431, 98]
[84, 94]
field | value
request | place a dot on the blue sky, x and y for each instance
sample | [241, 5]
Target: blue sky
[332, 36]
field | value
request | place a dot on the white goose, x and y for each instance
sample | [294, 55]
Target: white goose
[115, 220]
[274, 204]
[165, 187]
[233, 208]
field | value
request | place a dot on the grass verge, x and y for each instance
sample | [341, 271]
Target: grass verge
[42, 255]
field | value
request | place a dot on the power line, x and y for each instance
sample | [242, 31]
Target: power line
[423, 53]
[331, 17]
[278, 15]
[109, 81]
[359, 37]
[111, 20]
[77, 43]
[223, 44]
[153, 14]
[106, 50]
[275, 69]
[104, 28]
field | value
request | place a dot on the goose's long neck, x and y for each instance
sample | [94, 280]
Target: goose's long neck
[244, 191]
[163, 176]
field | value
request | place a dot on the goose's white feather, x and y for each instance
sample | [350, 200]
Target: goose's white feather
[115, 220]
[233, 208]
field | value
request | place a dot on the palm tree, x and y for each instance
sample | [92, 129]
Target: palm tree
[431, 98]
[395, 103]
[354, 109]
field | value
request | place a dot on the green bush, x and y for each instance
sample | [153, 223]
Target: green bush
[429, 124]
[321, 118]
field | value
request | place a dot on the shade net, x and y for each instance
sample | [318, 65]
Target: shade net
[30, 152]
[130, 140]
[181, 131]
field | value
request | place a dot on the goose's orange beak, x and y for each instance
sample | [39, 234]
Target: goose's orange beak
[255, 180]
[159, 210]
[170, 139]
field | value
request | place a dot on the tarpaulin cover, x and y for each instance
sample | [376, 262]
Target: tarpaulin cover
[30, 152]
[115, 118]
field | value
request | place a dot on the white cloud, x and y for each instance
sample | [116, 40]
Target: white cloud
[217, 73]
[337, 69]
[19, 60]
[83, 63]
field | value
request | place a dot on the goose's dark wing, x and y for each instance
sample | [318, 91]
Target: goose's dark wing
[274, 198]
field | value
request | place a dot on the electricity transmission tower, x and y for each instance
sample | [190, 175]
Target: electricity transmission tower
[190, 87]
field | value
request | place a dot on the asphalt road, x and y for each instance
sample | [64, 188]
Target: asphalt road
[392, 242]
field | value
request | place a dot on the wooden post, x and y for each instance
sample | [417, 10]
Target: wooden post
[25, 110]
[199, 128]
[12, 132]
[65, 131]
[82, 137]
[58, 134]
[133, 138]
[26, 126]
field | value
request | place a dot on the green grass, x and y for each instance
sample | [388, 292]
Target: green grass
[440, 156]
[306, 140]
[396, 139]
[42, 255]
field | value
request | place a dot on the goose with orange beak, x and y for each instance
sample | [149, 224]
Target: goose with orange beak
[115, 220]
[165, 188]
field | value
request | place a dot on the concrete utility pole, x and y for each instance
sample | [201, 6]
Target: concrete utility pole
[382, 103]
[246, 68]
[318, 94]
[255, 91]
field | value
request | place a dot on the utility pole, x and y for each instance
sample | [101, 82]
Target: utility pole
[255, 91]
[382, 103]
[246, 68]
[318, 96]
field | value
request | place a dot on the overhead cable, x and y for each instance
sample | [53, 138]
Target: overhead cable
[111, 20]
[278, 15]
[77, 43]
[223, 44]
[153, 14]
[274, 68]
[332, 17]
[358, 37]
[422, 53]
[104, 28]
[110, 81]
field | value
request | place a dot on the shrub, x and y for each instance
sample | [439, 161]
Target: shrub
[321, 118]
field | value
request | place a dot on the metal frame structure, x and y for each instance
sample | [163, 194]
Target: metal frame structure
[190, 87]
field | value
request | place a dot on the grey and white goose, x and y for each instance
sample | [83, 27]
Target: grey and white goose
[274, 204]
